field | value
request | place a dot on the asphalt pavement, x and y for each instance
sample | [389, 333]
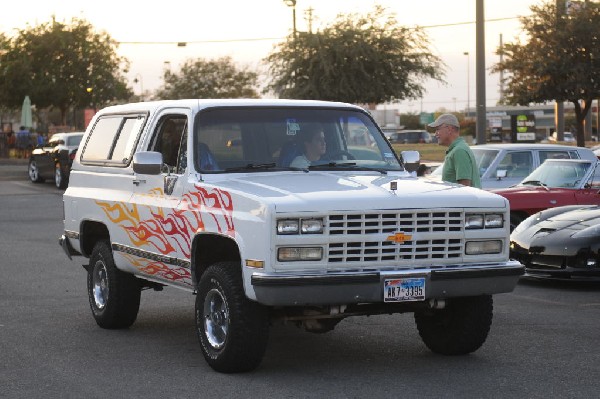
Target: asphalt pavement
[13, 169]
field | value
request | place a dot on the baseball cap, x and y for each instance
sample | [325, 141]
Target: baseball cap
[447, 119]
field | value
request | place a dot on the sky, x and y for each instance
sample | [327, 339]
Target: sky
[248, 30]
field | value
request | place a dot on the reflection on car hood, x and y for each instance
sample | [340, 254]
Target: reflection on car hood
[355, 191]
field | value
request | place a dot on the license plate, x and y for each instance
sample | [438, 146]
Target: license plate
[405, 289]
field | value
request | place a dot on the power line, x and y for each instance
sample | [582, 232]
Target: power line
[185, 43]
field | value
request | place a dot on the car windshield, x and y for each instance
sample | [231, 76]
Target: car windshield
[558, 174]
[268, 139]
[483, 158]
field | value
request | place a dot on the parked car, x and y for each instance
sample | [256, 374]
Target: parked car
[408, 136]
[53, 160]
[568, 137]
[562, 242]
[557, 182]
[504, 165]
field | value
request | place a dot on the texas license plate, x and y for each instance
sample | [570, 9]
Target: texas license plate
[404, 289]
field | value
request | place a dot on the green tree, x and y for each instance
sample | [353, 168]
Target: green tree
[357, 59]
[560, 59]
[202, 78]
[62, 66]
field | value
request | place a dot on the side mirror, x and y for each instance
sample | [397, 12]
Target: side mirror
[147, 162]
[501, 173]
[411, 160]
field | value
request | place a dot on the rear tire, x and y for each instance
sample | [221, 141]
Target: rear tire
[233, 331]
[114, 295]
[460, 328]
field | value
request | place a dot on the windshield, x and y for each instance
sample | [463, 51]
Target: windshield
[259, 139]
[558, 174]
[483, 158]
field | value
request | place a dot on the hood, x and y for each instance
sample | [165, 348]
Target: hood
[323, 190]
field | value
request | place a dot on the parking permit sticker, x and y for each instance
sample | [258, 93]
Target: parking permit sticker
[292, 127]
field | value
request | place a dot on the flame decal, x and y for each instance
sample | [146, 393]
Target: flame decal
[169, 231]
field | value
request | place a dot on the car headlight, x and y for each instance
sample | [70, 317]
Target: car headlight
[297, 226]
[484, 221]
[295, 254]
[483, 247]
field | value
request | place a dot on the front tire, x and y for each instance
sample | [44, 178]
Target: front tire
[460, 328]
[114, 295]
[34, 172]
[233, 331]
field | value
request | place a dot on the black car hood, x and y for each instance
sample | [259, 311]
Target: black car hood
[574, 220]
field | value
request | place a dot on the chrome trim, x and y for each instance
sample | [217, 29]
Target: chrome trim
[151, 255]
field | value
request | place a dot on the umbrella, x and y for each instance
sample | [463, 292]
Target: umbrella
[26, 118]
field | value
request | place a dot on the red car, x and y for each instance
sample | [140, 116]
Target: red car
[556, 182]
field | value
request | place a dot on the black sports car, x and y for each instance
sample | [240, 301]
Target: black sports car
[561, 242]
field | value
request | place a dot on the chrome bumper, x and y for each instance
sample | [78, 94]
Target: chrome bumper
[64, 242]
[367, 287]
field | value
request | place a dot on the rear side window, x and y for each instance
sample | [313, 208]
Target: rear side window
[112, 139]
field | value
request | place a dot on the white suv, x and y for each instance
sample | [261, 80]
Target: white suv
[202, 195]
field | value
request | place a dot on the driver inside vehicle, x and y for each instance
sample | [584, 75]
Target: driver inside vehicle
[313, 143]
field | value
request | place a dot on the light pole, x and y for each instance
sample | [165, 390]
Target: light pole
[468, 82]
[138, 78]
[292, 3]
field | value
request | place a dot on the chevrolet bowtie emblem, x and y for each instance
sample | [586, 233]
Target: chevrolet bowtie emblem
[399, 238]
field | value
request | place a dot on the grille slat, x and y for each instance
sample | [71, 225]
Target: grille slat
[437, 231]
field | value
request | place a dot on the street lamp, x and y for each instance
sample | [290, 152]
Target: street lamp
[138, 78]
[292, 3]
[468, 82]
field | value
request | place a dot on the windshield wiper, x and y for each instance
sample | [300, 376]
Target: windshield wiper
[346, 165]
[536, 183]
[252, 166]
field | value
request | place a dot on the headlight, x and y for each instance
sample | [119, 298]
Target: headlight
[473, 221]
[481, 221]
[494, 220]
[483, 247]
[311, 226]
[297, 226]
[294, 254]
[288, 226]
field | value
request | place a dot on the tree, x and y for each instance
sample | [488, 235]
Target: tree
[358, 59]
[560, 61]
[63, 66]
[201, 78]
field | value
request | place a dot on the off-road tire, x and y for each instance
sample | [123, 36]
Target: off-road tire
[114, 295]
[233, 331]
[458, 329]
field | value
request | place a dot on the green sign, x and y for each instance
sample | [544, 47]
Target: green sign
[426, 118]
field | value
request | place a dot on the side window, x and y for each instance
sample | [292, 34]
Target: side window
[112, 139]
[168, 139]
[516, 164]
[553, 155]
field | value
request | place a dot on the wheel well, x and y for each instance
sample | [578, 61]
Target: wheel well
[91, 233]
[208, 249]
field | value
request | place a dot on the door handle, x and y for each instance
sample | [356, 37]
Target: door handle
[137, 182]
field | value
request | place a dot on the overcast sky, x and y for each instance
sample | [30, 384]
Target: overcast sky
[247, 30]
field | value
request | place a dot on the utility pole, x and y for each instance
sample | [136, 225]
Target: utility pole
[480, 72]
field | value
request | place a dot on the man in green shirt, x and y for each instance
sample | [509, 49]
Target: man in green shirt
[459, 164]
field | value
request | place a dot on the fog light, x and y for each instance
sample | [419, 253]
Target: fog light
[294, 254]
[483, 247]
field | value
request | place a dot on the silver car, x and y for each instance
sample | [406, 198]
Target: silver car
[504, 165]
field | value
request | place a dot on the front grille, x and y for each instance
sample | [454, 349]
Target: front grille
[365, 238]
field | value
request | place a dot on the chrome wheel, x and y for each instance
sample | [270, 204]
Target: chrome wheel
[34, 174]
[58, 177]
[100, 285]
[216, 318]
